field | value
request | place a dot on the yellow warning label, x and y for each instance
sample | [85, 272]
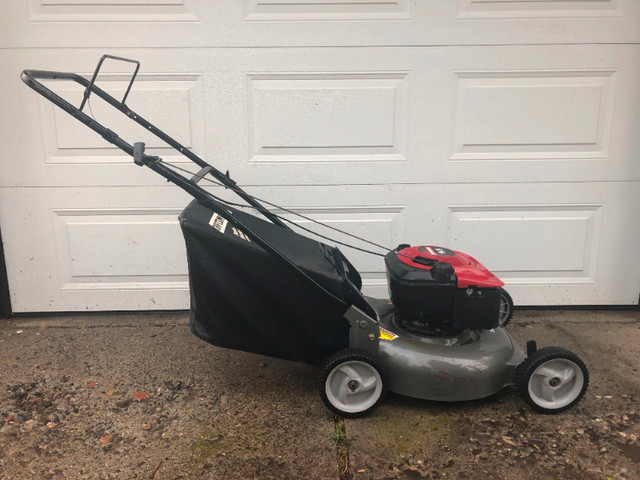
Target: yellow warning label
[387, 335]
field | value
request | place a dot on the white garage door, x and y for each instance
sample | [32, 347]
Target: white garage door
[506, 129]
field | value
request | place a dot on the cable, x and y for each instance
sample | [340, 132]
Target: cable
[323, 224]
[90, 109]
[215, 182]
[329, 238]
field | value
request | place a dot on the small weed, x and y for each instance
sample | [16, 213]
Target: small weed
[338, 435]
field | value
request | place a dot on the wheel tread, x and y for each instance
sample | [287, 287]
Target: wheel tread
[504, 294]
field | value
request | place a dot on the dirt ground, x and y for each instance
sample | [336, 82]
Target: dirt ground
[139, 397]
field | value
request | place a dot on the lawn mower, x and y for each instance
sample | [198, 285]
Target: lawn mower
[258, 283]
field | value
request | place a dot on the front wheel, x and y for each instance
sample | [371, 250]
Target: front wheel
[352, 383]
[552, 379]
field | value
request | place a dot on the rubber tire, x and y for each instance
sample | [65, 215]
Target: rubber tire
[526, 369]
[504, 322]
[350, 355]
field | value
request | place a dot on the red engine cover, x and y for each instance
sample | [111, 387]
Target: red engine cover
[468, 270]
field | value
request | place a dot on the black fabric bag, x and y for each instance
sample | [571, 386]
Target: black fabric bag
[245, 298]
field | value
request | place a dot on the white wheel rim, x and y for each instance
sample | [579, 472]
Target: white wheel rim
[556, 383]
[353, 386]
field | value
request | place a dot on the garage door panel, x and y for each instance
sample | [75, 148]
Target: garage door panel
[131, 256]
[105, 249]
[328, 117]
[108, 245]
[509, 9]
[429, 218]
[232, 23]
[273, 118]
[121, 250]
[557, 121]
[558, 251]
[113, 10]
[329, 10]
[529, 115]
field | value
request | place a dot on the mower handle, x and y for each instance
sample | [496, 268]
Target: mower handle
[31, 77]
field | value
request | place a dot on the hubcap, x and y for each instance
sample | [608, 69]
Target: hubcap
[556, 383]
[353, 386]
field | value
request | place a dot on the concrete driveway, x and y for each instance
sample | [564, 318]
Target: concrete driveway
[138, 396]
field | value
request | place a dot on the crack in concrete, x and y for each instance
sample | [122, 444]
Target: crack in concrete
[342, 443]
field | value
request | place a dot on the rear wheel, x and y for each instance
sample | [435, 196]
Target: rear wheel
[506, 309]
[352, 383]
[552, 379]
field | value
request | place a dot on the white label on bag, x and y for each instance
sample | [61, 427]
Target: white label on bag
[218, 222]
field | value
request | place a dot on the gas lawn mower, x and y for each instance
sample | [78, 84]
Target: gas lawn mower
[259, 286]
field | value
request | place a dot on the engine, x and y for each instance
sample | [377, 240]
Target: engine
[436, 291]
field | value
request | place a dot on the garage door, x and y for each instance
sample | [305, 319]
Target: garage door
[506, 129]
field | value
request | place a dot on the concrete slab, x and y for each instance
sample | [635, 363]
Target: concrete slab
[102, 397]
[501, 437]
[138, 396]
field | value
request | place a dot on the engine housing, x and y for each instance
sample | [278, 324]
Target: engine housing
[436, 290]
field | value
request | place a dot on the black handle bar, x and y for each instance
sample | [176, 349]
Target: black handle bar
[32, 77]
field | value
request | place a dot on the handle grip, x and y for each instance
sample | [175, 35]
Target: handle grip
[138, 153]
